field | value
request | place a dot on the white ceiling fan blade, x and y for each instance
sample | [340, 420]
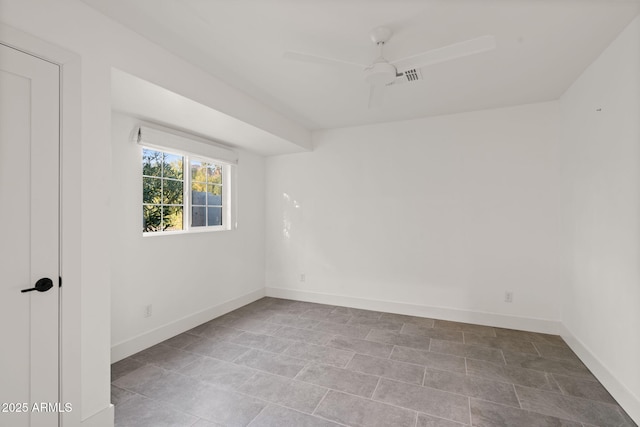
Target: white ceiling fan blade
[316, 59]
[376, 96]
[447, 53]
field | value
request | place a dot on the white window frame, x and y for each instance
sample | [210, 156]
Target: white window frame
[171, 142]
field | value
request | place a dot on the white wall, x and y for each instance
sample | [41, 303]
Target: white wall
[446, 212]
[180, 275]
[601, 307]
[101, 44]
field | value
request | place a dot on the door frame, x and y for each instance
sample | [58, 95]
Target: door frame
[69, 375]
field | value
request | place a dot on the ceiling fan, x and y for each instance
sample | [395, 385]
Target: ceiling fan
[383, 72]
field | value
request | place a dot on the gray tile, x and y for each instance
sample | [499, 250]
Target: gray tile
[277, 416]
[395, 338]
[215, 331]
[578, 387]
[467, 350]
[222, 350]
[356, 411]
[143, 374]
[429, 359]
[120, 395]
[399, 371]
[555, 351]
[262, 342]
[221, 406]
[200, 399]
[529, 336]
[123, 367]
[140, 411]
[487, 414]
[424, 399]
[306, 335]
[217, 372]
[294, 394]
[292, 320]
[385, 324]
[369, 348]
[357, 312]
[181, 341]
[166, 357]
[320, 354]
[440, 334]
[218, 321]
[502, 343]
[339, 379]
[465, 327]
[205, 423]
[256, 326]
[270, 362]
[325, 314]
[554, 366]
[482, 388]
[340, 329]
[511, 374]
[403, 318]
[158, 383]
[425, 420]
[572, 408]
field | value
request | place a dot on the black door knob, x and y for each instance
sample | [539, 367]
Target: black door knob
[42, 285]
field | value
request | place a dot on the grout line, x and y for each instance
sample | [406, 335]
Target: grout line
[536, 348]
[517, 397]
[258, 414]
[320, 401]
[376, 388]
[470, 415]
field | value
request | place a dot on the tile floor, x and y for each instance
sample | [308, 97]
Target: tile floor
[286, 363]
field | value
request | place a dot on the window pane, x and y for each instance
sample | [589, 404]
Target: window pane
[151, 218]
[198, 198]
[151, 190]
[172, 218]
[198, 218]
[198, 171]
[214, 216]
[172, 192]
[172, 166]
[214, 174]
[199, 186]
[151, 162]
[214, 195]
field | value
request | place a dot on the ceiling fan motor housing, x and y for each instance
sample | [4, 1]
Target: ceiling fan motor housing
[380, 73]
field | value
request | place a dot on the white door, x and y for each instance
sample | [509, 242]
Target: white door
[29, 248]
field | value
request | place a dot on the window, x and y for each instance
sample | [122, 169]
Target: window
[182, 191]
[162, 191]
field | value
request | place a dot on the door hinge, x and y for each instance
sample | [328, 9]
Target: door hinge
[59, 281]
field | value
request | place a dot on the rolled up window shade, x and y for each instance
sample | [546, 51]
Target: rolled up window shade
[178, 141]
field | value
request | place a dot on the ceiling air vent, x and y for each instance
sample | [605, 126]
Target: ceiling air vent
[412, 75]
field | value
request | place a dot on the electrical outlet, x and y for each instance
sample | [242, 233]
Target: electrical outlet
[148, 310]
[303, 277]
[508, 296]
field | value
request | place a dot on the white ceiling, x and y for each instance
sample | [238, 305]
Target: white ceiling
[542, 47]
[158, 105]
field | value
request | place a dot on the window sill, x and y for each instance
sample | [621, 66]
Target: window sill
[183, 232]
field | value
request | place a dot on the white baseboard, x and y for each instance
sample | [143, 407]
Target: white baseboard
[443, 313]
[133, 345]
[104, 418]
[625, 398]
